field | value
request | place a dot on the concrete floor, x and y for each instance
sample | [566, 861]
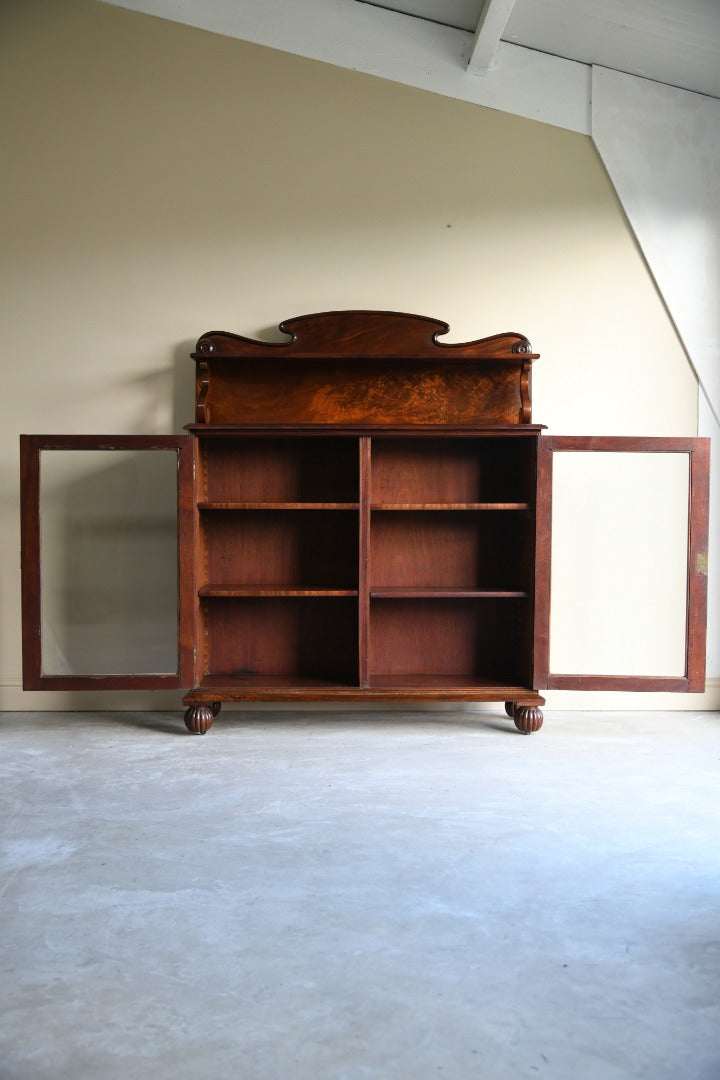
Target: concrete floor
[361, 897]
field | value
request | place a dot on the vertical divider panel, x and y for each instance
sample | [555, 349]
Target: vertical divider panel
[364, 559]
[187, 589]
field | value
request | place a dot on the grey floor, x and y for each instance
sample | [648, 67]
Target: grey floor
[361, 896]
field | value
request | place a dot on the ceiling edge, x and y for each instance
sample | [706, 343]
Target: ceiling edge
[398, 47]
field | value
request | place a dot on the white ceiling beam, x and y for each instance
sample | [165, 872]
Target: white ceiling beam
[491, 24]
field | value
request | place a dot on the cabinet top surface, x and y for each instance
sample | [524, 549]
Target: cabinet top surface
[220, 431]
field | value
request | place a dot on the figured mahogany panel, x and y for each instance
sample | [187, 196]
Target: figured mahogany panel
[364, 392]
[370, 368]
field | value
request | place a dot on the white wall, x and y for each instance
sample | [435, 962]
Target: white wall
[161, 181]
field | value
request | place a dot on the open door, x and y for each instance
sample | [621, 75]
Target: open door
[106, 561]
[619, 600]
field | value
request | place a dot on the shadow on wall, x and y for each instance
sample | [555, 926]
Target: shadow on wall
[183, 391]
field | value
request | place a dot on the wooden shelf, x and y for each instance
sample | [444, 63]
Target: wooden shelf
[385, 592]
[271, 683]
[380, 687]
[426, 593]
[451, 506]
[230, 590]
[459, 681]
[215, 505]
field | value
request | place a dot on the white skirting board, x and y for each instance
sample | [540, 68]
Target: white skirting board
[14, 699]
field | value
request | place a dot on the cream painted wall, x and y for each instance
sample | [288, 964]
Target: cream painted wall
[160, 181]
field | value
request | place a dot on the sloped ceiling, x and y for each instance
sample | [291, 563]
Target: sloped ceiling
[533, 58]
[662, 40]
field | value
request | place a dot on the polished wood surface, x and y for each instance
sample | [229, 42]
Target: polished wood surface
[432, 595]
[372, 368]
[345, 489]
[369, 334]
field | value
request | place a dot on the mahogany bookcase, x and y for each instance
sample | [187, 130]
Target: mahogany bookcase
[363, 514]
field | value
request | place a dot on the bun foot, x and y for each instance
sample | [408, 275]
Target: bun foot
[528, 718]
[199, 719]
[510, 709]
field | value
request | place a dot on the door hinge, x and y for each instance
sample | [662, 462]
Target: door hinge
[701, 564]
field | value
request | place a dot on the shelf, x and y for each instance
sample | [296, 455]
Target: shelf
[424, 681]
[277, 683]
[228, 591]
[380, 687]
[443, 593]
[217, 505]
[451, 506]
[386, 592]
[205, 505]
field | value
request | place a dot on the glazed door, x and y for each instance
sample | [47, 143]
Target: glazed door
[106, 561]
[621, 567]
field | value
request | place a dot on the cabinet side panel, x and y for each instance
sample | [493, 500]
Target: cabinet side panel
[187, 589]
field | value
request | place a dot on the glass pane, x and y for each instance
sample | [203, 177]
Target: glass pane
[619, 563]
[108, 537]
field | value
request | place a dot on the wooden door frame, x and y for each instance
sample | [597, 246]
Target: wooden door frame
[30, 448]
[698, 451]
